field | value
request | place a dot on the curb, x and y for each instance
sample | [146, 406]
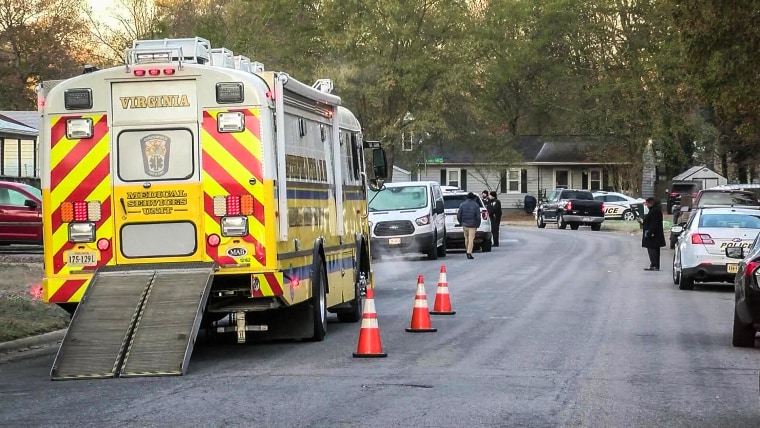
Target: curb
[23, 347]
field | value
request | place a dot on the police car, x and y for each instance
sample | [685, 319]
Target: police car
[452, 199]
[618, 205]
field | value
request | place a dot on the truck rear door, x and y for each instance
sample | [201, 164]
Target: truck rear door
[157, 194]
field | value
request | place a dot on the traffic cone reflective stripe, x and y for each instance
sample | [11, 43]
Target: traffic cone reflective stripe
[369, 336]
[442, 305]
[420, 315]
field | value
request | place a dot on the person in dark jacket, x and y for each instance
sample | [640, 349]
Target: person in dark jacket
[494, 212]
[468, 215]
[653, 237]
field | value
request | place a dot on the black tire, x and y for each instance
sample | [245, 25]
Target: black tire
[486, 245]
[561, 222]
[685, 282]
[596, 227]
[574, 226]
[319, 301]
[442, 249]
[432, 253]
[743, 335]
[356, 311]
[628, 215]
[540, 221]
[676, 273]
[673, 240]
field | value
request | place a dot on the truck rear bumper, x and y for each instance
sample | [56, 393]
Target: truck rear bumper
[583, 219]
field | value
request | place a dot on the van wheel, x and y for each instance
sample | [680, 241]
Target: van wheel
[319, 301]
[432, 253]
[442, 248]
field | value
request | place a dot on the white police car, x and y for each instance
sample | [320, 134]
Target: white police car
[618, 205]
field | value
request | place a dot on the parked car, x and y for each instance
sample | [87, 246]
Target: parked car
[700, 253]
[570, 207]
[452, 199]
[618, 205]
[746, 294]
[20, 214]
[407, 217]
[712, 198]
[680, 188]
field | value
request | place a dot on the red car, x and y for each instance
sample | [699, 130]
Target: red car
[20, 214]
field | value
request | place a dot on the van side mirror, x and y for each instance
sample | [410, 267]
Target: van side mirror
[379, 163]
[735, 252]
[438, 209]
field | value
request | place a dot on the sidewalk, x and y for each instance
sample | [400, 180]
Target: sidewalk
[31, 346]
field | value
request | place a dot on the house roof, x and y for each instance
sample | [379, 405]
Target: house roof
[695, 170]
[12, 128]
[29, 119]
[534, 149]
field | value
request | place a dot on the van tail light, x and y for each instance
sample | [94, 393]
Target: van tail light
[702, 238]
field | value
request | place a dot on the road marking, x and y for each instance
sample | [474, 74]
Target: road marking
[501, 318]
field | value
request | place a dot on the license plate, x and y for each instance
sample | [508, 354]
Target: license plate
[732, 268]
[586, 218]
[83, 258]
[394, 241]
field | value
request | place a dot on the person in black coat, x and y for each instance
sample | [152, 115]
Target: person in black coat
[494, 212]
[653, 237]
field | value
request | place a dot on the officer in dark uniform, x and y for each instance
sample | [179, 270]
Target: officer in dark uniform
[494, 212]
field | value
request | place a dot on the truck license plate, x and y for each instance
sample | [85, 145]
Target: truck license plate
[82, 258]
[586, 218]
[732, 268]
[394, 241]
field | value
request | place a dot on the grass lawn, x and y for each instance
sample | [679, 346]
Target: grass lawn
[21, 313]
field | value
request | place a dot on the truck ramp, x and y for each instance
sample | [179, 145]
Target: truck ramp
[138, 320]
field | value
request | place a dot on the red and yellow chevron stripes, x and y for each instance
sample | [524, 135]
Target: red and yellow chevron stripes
[65, 290]
[80, 170]
[266, 284]
[232, 165]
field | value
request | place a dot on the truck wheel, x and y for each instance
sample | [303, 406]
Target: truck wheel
[432, 253]
[574, 226]
[743, 335]
[355, 313]
[561, 222]
[596, 227]
[540, 221]
[319, 301]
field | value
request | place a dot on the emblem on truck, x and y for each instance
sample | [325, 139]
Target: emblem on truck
[155, 151]
[158, 101]
[237, 252]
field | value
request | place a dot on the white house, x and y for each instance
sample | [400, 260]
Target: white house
[708, 177]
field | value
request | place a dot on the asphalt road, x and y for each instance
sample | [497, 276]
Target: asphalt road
[553, 328]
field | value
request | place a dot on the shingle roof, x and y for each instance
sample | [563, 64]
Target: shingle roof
[7, 127]
[30, 119]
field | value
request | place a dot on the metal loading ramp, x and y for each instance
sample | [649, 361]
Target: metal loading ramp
[137, 320]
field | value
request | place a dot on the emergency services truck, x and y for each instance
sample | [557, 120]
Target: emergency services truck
[191, 188]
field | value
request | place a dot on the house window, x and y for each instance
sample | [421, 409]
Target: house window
[513, 181]
[595, 180]
[561, 178]
[453, 177]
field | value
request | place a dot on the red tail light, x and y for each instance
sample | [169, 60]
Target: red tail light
[702, 238]
[673, 193]
[569, 205]
[751, 268]
[154, 72]
[484, 214]
[602, 206]
[139, 72]
[233, 205]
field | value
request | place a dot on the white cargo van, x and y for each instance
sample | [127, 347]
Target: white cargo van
[408, 217]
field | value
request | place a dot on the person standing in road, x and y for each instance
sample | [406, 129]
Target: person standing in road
[484, 197]
[468, 215]
[653, 235]
[494, 212]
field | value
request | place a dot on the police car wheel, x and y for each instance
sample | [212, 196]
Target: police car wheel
[628, 215]
[676, 272]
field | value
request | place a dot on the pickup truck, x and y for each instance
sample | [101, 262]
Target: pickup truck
[570, 207]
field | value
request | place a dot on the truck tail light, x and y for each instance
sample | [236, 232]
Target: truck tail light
[702, 238]
[569, 205]
[602, 206]
[81, 211]
[232, 205]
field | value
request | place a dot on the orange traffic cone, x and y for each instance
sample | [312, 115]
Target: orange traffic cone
[442, 304]
[369, 336]
[420, 314]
